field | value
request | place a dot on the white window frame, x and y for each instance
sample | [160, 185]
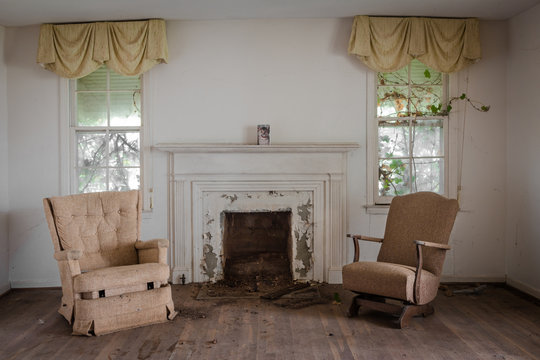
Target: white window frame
[68, 145]
[451, 129]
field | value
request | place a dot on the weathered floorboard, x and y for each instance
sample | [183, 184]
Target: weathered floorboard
[496, 324]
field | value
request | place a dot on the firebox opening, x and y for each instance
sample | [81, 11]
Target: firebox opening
[257, 246]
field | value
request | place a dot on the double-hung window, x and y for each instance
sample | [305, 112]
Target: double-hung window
[106, 123]
[410, 153]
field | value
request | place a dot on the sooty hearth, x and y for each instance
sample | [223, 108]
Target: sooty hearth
[257, 247]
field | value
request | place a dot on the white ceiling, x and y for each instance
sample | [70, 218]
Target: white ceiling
[30, 12]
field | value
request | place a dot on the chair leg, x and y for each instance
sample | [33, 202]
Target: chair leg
[353, 309]
[413, 310]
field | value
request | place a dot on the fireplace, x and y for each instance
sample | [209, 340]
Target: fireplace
[257, 247]
[210, 185]
[292, 211]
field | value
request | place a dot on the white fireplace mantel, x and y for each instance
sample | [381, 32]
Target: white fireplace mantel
[243, 148]
[202, 177]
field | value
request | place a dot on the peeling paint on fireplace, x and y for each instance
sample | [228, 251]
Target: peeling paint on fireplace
[304, 211]
[303, 253]
[231, 198]
[209, 261]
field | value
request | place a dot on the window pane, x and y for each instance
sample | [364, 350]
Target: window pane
[91, 180]
[124, 179]
[91, 109]
[428, 138]
[392, 101]
[399, 77]
[124, 149]
[94, 81]
[423, 97]
[393, 138]
[420, 77]
[393, 177]
[125, 109]
[91, 149]
[428, 175]
[121, 82]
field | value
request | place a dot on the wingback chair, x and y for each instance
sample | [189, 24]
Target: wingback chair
[110, 280]
[410, 260]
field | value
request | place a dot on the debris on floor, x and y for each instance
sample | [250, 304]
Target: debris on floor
[301, 298]
[284, 291]
[451, 290]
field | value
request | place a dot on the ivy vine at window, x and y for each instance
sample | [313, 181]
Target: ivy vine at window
[411, 131]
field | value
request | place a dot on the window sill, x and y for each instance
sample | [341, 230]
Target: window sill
[377, 209]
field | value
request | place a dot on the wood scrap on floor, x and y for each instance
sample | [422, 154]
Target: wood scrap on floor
[275, 294]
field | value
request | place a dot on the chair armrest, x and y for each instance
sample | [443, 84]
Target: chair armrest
[152, 251]
[420, 262]
[357, 247]
[68, 265]
[151, 244]
[366, 238]
[432, 244]
[68, 255]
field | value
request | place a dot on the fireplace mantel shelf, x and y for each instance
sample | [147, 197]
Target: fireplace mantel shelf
[243, 148]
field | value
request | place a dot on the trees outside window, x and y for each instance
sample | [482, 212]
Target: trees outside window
[411, 147]
[106, 127]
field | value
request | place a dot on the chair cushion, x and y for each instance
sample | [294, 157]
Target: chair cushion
[389, 280]
[120, 276]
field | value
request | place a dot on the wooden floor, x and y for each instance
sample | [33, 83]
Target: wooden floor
[497, 324]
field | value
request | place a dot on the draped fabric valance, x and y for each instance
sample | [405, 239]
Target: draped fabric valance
[76, 50]
[387, 44]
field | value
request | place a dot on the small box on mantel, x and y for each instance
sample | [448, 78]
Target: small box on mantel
[263, 134]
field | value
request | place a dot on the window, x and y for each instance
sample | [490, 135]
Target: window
[411, 150]
[106, 123]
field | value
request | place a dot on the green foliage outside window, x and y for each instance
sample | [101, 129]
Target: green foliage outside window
[411, 109]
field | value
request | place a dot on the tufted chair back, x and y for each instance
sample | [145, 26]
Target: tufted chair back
[103, 225]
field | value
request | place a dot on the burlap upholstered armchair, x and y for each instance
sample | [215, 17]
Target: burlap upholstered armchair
[410, 259]
[110, 280]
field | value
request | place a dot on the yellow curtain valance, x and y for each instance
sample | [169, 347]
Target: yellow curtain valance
[76, 50]
[387, 44]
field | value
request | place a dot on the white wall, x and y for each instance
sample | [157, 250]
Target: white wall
[33, 159]
[4, 200]
[523, 229]
[478, 239]
[224, 78]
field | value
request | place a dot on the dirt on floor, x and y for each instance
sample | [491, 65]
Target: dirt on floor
[293, 295]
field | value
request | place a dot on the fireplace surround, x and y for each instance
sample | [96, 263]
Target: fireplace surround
[208, 181]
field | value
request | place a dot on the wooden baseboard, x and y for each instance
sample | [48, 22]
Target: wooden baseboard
[448, 279]
[4, 290]
[526, 289]
[25, 284]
